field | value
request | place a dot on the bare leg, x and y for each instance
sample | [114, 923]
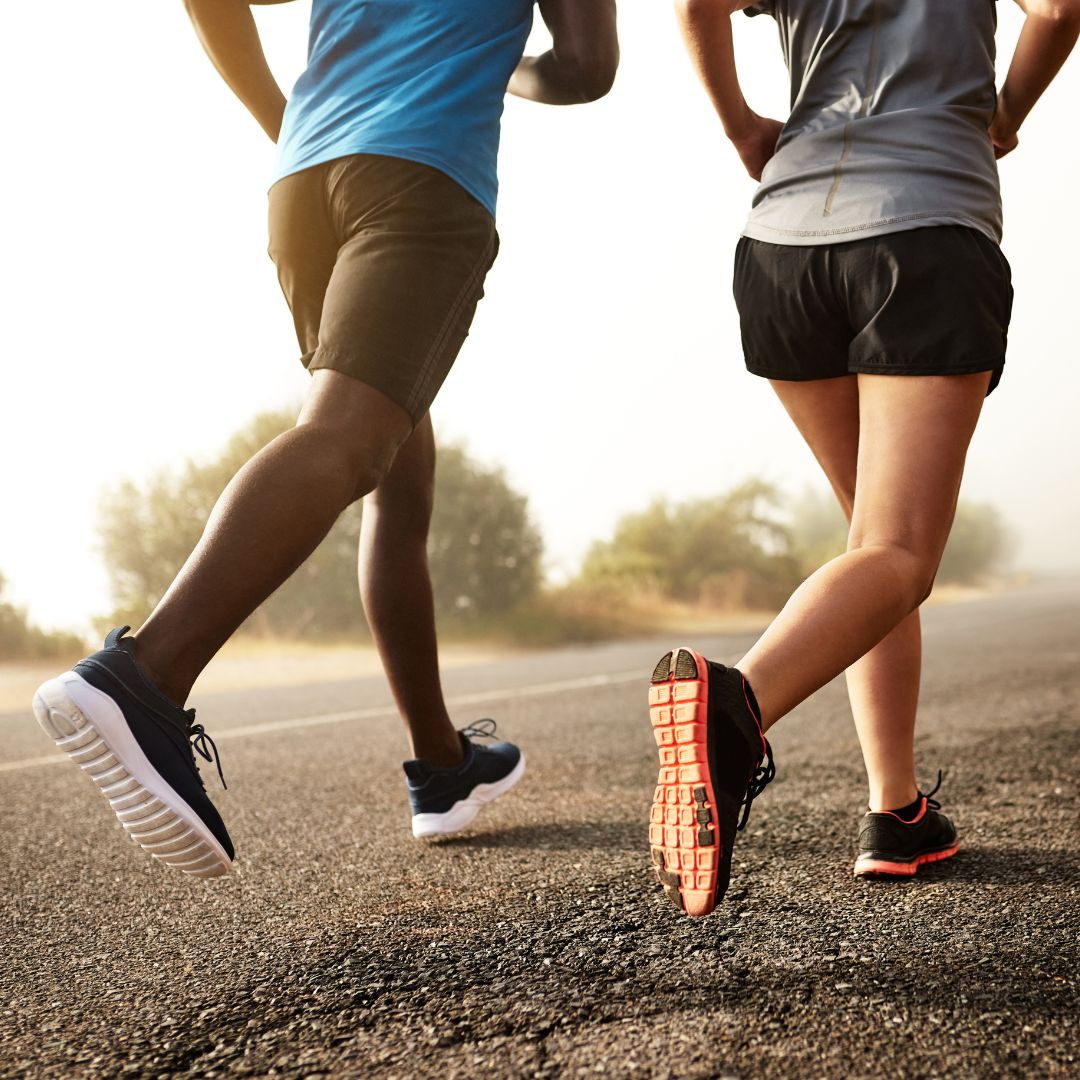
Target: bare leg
[913, 439]
[395, 586]
[270, 518]
[884, 685]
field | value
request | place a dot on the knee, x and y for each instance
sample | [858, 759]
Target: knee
[356, 467]
[912, 567]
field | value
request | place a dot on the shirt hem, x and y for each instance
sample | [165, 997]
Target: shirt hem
[769, 234]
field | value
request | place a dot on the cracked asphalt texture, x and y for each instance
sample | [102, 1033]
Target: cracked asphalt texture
[539, 945]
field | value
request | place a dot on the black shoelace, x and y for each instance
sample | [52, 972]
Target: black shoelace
[480, 729]
[930, 800]
[204, 745]
[758, 782]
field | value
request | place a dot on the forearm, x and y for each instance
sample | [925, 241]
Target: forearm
[1048, 36]
[706, 29]
[581, 64]
[230, 37]
[550, 80]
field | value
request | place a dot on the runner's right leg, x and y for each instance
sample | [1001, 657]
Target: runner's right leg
[270, 518]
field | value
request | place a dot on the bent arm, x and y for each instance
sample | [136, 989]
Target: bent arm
[230, 37]
[580, 66]
[1048, 36]
[706, 29]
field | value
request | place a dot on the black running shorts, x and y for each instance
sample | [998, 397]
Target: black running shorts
[930, 301]
[382, 262]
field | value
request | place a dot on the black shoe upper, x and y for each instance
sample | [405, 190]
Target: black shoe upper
[165, 732]
[886, 836]
[435, 791]
[736, 748]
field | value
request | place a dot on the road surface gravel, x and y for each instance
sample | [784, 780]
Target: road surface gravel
[540, 945]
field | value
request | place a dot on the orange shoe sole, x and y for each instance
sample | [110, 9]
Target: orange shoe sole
[870, 867]
[684, 837]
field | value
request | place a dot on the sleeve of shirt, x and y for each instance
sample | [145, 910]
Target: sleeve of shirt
[763, 7]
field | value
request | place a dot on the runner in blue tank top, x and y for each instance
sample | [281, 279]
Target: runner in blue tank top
[874, 297]
[382, 229]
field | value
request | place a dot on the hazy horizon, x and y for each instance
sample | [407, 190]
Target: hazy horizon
[148, 325]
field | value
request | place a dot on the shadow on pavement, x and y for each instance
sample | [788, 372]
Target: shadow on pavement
[555, 836]
[1007, 866]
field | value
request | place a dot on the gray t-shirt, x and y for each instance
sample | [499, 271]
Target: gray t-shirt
[890, 104]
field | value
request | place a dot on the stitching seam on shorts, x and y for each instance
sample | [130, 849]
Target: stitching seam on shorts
[423, 380]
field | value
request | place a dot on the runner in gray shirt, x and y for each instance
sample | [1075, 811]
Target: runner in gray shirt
[872, 292]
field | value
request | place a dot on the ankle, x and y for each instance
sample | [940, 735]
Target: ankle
[157, 674]
[440, 753]
[893, 798]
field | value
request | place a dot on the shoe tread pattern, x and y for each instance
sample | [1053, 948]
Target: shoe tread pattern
[683, 838]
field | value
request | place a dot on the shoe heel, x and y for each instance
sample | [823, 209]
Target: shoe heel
[57, 714]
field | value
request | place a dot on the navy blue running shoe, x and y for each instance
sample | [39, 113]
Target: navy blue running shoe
[445, 801]
[136, 745]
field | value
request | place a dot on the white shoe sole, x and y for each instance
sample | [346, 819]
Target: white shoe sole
[90, 728]
[462, 814]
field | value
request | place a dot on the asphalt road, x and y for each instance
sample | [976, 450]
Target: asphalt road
[539, 945]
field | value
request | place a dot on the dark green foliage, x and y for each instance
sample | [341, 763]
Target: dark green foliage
[20, 640]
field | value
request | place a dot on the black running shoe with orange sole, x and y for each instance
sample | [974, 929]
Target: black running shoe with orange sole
[711, 748]
[889, 846]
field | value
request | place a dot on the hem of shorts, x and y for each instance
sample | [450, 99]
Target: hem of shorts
[323, 359]
[880, 369]
[767, 234]
[393, 152]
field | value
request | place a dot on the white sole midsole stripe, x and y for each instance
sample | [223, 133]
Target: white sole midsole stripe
[588, 682]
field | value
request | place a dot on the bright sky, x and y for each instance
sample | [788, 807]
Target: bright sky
[144, 323]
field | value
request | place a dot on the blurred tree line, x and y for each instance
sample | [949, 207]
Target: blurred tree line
[751, 547]
[485, 550]
[745, 549]
[21, 640]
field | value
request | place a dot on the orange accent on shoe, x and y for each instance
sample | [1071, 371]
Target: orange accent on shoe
[906, 821]
[866, 865]
[686, 856]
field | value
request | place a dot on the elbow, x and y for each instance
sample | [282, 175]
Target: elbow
[592, 74]
[1064, 13]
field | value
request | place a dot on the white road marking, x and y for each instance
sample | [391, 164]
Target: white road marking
[537, 690]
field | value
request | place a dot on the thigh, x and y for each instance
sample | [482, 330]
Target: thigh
[826, 412]
[415, 251]
[913, 438]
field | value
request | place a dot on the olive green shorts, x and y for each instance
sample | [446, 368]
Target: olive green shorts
[382, 262]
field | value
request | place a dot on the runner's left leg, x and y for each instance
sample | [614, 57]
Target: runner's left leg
[883, 686]
[395, 586]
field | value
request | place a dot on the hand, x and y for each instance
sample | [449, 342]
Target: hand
[1003, 132]
[756, 144]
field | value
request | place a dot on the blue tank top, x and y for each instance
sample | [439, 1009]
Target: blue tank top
[422, 80]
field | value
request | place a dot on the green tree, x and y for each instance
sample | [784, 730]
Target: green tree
[731, 550]
[485, 552]
[21, 640]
